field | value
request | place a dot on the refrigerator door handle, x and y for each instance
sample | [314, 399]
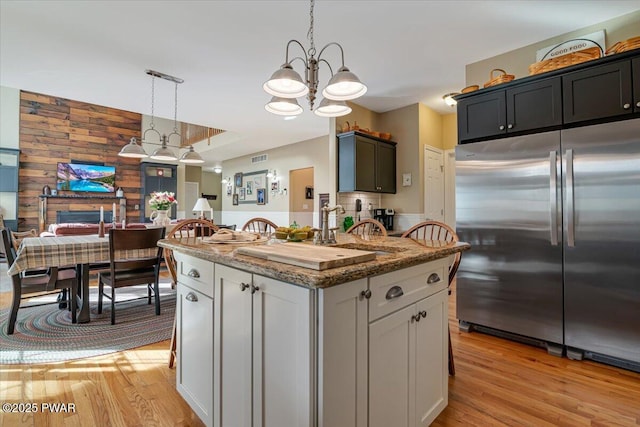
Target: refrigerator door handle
[571, 238]
[553, 198]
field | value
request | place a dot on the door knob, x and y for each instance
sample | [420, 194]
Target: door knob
[501, 127]
[366, 294]
[626, 106]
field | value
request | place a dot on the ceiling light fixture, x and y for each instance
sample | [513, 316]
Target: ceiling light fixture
[217, 169]
[133, 150]
[448, 99]
[286, 84]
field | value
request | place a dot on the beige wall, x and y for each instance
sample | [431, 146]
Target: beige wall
[210, 184]
[449, 131]
[517, 61]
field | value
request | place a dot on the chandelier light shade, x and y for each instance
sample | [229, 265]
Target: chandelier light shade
[133, 150]
[286, 84]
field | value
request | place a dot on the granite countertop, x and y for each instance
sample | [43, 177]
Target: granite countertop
[400, 253]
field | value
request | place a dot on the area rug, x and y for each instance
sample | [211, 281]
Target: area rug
[45, 334]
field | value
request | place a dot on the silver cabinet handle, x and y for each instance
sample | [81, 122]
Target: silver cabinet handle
[553, 194]
[191, 297]
[365, 294]
[626, 106]
[254, 289]
[510, 125]
[394, 292]
[571, 238]
[501, 127]
[243, 287]
[433, 278]
[193, 273]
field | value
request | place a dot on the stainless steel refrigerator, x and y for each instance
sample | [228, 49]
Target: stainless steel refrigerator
[554, 223]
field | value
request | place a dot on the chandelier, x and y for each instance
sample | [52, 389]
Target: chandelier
[286, 84]
[133, 150]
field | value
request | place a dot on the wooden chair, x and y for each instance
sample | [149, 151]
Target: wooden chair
[368, 227]
[17, 236]
[29, 285]
[260, 225]
[140, 269]
[188, 228]
[438, 231]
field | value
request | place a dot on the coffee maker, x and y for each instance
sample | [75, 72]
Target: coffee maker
[385, 216]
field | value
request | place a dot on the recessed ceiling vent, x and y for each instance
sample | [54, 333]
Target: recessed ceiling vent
[259, 159]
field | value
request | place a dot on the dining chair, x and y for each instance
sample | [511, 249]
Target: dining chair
[17, 236]
[187, 228]
[426, 231]
[132, 261]
[368, 227]
[27, 285]
[260, 225]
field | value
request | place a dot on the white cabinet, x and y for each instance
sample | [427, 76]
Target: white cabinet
[264, 344]
[407, 364]
[194, 371]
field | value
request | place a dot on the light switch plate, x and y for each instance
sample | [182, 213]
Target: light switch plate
[406, 179]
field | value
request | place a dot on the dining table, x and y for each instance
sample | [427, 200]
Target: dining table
[61, 251]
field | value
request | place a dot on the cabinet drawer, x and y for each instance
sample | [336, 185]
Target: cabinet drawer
[393, 291]
[196, 273]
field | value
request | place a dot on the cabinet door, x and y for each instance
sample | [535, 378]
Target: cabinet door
[391, 379]
[481, 116]
[432, 357]
[342, 355]
[598, 92]
[233, 347]
[282, 361]
[635, 68]
[534, 105]
[194, 372]
[386, 168]
[366, 160]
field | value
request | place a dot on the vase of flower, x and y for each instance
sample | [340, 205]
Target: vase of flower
[160, 217]
[161, 202]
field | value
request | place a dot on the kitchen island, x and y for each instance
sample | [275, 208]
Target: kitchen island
[273, 344]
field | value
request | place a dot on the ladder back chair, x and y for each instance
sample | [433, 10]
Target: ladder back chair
[368, 227]
[134, 259]
[26, 285]
[188, 228]
[260, 225]
[437, 231]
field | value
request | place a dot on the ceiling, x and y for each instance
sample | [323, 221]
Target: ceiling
[404, 51]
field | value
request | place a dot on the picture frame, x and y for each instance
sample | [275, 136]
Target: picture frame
[275, 186]
[308, 192]
[241, 193]
[261, 196]
[253, 181]
[237, 179]
[249, 188]
[229, 189]
[235, 199]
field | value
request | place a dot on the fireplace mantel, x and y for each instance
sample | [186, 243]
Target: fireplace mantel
[43, 198]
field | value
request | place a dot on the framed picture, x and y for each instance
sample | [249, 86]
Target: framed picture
[275, 186]
[229, 189]
[241, 193]
[251, 181]
[308, 192]
[235, 200]
[261, 196]
[237, 179]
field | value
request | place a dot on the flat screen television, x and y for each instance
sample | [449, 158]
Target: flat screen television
[86, 177]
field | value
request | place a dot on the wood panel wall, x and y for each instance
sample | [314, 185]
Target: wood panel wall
[54, 129]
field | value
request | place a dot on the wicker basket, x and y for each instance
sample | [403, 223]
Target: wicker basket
[565, 60]
[471, 88]
[501, 78]
[629, 44]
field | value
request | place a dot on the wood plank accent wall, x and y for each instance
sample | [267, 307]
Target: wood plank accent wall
[54, 129]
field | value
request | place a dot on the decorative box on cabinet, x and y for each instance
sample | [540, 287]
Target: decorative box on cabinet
[519, 108]
[366, 163]
[598, 92]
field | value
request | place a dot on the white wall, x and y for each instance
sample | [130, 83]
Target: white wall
[9, 117]
[311, 153]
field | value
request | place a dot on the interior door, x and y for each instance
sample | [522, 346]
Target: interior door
[434, 184]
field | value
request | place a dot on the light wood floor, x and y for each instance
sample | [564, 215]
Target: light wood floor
[497, 383]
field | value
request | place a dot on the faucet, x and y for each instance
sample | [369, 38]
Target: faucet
[325, 237]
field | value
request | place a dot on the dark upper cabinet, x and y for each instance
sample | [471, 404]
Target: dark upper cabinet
[598, 92]
[534, 105]
[635, 68]
[366, 163]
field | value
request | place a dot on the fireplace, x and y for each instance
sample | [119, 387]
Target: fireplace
[91, 217]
